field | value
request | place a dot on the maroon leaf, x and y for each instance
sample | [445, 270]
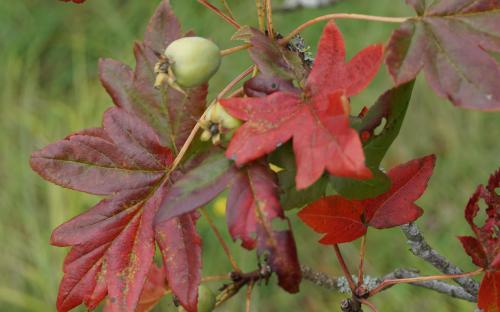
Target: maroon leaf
[210, 175]
[180, 245]
[113, 249]
[255, 216]
[130, 256]
[162, 29]
[170, 113]
[275, 60]
[154, 289]
[95, 165]
[262, 85]
[474, 249]
[83, 280]
[451, 43]
[114, 242]
[344, 220]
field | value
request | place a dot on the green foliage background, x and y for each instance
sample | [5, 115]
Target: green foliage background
[49, 88]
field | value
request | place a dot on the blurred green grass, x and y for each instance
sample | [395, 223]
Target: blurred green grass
[49, 88]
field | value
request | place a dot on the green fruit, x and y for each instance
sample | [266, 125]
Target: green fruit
[222, 116]
[193, 60]
[206, 300]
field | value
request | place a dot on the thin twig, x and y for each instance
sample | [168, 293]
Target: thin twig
[369, 304]
[319, 278]
[362, 251]
[327, 17]
[436, 285]
[420, 248]
[235, 81]
[235, 49]
[291, 5]
[249, 296]
[214, 9]
[345, 270]
[228, 253]
[215, 278]
[261, 14]
[269, 20]
[326, 281]
[389, 282]
[228, 9]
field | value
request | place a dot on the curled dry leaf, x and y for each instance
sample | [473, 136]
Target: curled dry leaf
[484, 246]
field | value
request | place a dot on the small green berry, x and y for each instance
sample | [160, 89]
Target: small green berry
[193, 60]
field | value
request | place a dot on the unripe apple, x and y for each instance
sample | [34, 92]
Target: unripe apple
[193, 60]
[206, 300]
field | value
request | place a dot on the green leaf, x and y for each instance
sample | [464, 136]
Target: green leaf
[359, 189]
[290, 197]
[392, 107]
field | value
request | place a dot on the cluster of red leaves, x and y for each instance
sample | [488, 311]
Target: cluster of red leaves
[315, 116]
[484, 246]
[344, 220]
[129, 161]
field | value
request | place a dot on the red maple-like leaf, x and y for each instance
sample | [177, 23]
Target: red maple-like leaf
[314, 117]
[344, 220]
[75, 1]
[484, 247]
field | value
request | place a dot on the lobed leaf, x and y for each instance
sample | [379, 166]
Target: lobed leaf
[450, 41]
[128, 159]
[343, 220]
[96, 165]
[316, 119]
[170, 113]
